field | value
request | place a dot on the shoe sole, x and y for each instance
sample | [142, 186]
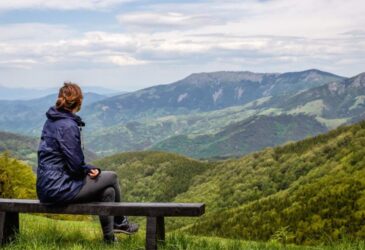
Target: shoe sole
[123, 232]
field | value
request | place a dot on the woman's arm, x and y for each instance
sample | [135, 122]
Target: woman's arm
[70, 145]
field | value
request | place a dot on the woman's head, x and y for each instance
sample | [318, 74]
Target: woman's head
[69, 97]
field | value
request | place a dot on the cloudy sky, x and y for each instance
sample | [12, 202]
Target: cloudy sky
[132, 44]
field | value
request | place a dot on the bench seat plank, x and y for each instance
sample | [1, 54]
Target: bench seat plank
[105, 208]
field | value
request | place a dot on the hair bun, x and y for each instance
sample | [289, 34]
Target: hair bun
[60, 103]
[69, 97]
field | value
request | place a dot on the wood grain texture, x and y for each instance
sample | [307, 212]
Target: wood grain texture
[104, 208]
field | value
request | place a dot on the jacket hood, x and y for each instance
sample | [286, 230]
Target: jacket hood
[56, 114]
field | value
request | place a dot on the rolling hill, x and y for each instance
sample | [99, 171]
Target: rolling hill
[25, 148]
[152, 176]
[312, 191]
[16, 179]
[20, 147]
[240, 138]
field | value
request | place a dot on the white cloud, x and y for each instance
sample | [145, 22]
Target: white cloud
[166, 47]
[17, 63]
[59, 4]
[278, 35]
[22, 32]
[123, 60]
[310, 18]
[166, 20]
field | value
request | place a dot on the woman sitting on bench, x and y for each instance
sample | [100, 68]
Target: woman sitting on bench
[63, 176]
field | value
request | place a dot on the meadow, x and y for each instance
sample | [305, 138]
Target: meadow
[40, 233]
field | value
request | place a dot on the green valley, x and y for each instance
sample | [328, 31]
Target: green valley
[200, 108]
[312, 190]
[306, 192]
[205, 132]
[240, 138]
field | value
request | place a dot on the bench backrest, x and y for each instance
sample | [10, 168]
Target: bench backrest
[104, 208]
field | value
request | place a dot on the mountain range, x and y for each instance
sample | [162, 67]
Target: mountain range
[13, 93]
[201, 93]
[303, 98]
[202, 114]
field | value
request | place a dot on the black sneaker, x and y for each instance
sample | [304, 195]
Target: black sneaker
[126, 228]
[110, 239]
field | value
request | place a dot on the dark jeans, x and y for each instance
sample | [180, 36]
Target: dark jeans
[105, 188]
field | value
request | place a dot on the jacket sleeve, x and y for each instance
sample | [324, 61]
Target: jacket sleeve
[70, 144]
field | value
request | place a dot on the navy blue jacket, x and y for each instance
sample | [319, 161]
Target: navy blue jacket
[61, 168]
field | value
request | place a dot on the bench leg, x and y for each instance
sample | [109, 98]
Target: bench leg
[161, 229]
[9, 226]
[155, 232]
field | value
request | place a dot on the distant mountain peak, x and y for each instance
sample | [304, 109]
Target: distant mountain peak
[223, 76]
[312, 72]
[357, 81]
[315, 71]
[360, 76]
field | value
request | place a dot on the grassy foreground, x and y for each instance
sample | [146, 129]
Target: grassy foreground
[42, 233]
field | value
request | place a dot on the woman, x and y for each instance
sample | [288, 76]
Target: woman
[62, 175]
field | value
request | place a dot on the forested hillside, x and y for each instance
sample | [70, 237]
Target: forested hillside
[313, 191]
[310, 191]
[16, 178]
[25, 148]
[240, 138]
[19, 146]
[152, 176]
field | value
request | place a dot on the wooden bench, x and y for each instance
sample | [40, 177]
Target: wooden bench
[155, 213]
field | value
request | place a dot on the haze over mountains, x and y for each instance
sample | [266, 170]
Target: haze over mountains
[27, 116]
[209, 114]
[9, 93]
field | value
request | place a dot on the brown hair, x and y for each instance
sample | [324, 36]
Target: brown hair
[69, 97]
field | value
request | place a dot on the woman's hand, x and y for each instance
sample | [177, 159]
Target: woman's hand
[94, 173]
